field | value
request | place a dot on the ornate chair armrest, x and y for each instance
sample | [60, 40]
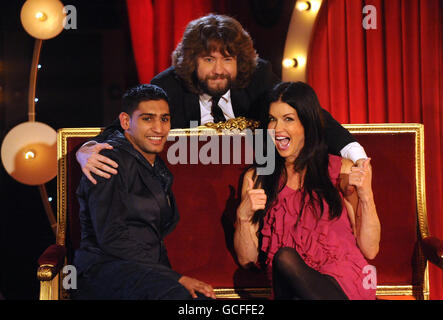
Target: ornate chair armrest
[433, 250]
[50, 262]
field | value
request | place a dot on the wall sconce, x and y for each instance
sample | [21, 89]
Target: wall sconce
[303, 5]
[42, 19]
[298, 40]
[290, 63]
[29, 150]
[29, 153]
[297, 62]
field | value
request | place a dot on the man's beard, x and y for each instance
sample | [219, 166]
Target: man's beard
[215, 92]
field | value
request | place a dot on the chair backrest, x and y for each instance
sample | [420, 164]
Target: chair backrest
[397, 153]
[207, 195]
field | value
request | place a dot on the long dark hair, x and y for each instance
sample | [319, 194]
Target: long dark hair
[214, 33]
[313, 157]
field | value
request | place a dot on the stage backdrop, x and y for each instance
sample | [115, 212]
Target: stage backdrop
[389, 74]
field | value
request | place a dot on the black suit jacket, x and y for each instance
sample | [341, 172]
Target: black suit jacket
[127, 216]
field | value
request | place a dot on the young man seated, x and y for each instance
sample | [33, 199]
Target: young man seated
[125, 218]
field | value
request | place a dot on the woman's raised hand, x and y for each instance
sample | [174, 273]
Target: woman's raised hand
[361, 178]
[252, 200]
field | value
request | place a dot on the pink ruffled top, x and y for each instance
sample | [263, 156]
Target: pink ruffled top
[328, 246]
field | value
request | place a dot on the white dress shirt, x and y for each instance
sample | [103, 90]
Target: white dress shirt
[353, 151]
[224, 103]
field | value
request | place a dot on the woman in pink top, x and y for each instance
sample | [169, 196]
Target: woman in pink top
[314, 218]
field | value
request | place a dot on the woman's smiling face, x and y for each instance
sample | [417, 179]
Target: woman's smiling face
[289, 136]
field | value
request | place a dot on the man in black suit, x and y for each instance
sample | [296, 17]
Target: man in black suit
[216, 75]
[233, 101]
[125, 218]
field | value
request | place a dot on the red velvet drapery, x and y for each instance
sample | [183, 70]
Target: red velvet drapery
[390, 74]
[156, 28]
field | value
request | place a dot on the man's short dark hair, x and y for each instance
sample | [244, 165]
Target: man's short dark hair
[140, 93]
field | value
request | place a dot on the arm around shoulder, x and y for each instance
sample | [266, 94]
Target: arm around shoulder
[337, 137]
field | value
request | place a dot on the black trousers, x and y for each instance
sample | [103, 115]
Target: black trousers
[125, 280]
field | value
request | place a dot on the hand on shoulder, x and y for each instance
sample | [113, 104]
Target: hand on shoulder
[92, 161]
[361, 177]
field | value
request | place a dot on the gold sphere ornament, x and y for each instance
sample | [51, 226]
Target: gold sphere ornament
[43, 19]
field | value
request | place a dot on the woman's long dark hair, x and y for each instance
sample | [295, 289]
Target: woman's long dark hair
[313, 157]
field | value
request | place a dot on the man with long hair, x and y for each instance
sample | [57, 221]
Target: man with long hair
[215, 60]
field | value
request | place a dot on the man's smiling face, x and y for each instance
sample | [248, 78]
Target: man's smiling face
[148, 127]
[216, 72]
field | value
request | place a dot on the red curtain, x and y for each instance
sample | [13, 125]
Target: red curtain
[391, 74]
[157, 27]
